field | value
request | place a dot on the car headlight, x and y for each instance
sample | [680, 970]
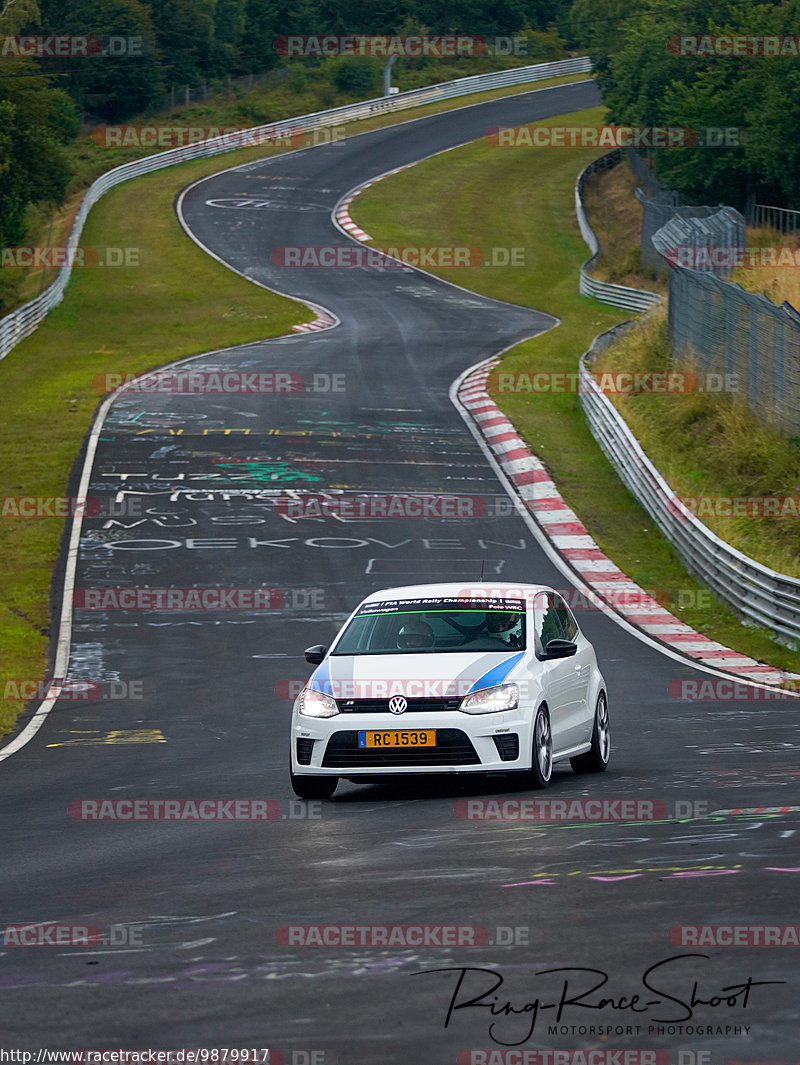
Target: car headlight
[317, 704]
[491, 700]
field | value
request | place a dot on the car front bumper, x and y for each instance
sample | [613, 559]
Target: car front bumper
[465, 743]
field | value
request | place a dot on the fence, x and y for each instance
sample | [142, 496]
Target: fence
[762, 595]
[722, 233]
[186, 95]
[716, 326]
[22, 322]
[631, 299]
[720, 328]
[781, 218]
[658, 211]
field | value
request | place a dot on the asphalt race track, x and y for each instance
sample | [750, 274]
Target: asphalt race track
[195, 704]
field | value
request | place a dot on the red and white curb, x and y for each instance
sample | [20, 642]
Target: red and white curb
[322, 321]
[567, 534]
[342, 211]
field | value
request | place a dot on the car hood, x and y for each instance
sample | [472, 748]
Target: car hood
[427, 676]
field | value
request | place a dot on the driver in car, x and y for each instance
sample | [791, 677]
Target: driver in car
[504, 626]
[415, 635]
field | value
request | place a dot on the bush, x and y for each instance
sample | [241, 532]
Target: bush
[359, 76]
[297, 80]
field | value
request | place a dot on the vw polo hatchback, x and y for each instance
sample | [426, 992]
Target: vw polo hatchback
[443, 678]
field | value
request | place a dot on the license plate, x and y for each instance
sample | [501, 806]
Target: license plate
[397, 738]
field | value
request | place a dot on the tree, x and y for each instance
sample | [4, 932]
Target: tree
[111, 86]
[184, 32]
[230, 20]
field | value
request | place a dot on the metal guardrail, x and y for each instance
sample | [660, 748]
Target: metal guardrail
[631, 299]
[23, 321]
[760, 594]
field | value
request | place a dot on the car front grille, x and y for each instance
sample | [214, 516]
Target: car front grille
[381, 706]
[452, 748]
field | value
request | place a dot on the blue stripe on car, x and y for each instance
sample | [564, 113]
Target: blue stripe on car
[497, 674]
[321, 680]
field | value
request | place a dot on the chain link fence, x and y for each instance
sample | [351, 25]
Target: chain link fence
[707, 243]
[660, 206]
[720, 328]
[657, 211]
[715, 326]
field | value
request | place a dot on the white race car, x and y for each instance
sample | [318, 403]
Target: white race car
[443, 678]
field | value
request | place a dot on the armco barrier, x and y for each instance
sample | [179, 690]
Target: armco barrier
[762, 595]
[631, 299]
[22, 322]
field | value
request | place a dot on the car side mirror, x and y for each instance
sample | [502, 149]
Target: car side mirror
[560, 649]
[315, 654]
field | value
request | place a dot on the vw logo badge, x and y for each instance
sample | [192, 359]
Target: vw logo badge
[398, 705]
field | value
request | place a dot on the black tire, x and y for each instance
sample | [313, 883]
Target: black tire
[541, 751]
[596, 759]
[313, 787]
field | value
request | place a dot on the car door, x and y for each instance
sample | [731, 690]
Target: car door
[580, 715]
[565, 680]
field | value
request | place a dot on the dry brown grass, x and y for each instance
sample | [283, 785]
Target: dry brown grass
[616, 217]
[778, 283]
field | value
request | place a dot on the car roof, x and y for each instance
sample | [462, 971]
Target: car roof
[460, 590]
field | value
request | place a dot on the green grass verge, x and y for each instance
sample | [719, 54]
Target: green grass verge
[524, 198]
[709, 445]
[179, 302]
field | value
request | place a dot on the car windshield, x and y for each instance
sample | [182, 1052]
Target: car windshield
[434, 626]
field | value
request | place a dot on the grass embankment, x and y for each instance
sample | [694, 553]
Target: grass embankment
[715, 453]
[616, 217]
[778, 283]
[524, 197]
[179, 302]
[710, 447]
